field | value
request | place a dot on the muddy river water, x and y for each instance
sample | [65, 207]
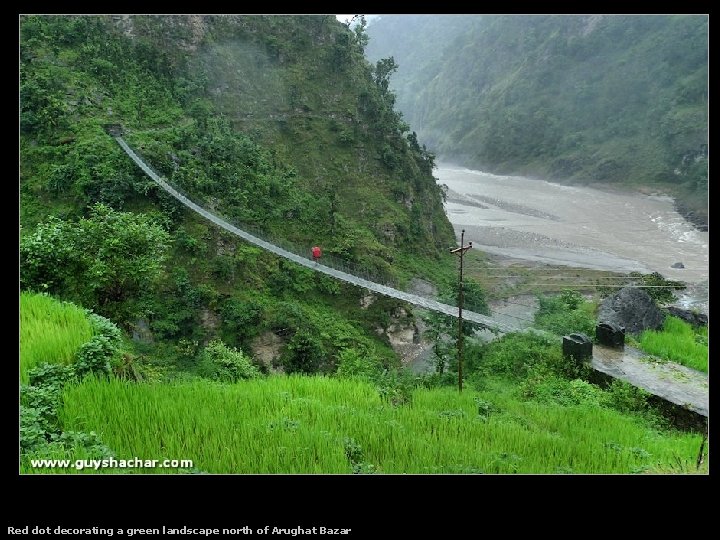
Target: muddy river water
[540, 221]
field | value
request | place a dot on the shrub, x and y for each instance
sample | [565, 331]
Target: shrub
[226, 364]
[104, 327]
[565, 314]
[554, 389]
[303, 354]
[517, 354]
[360, 364]
[95, 356]
[396, 387]
[55, 375]
[627, 398]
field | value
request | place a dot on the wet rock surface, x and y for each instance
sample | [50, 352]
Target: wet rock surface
[632, 308]
[694, 318]
[675, 383]
[577, 346]
[610, 334]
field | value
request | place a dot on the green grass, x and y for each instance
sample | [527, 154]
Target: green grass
[678, 342]
[291, 424]
[50, 331]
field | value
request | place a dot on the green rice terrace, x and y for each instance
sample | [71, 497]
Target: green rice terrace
[524, 412]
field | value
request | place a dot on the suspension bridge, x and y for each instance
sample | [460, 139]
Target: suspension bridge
[672, 382]
[420, 301]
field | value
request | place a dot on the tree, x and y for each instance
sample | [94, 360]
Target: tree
[383, 69]
[100, 261]
[361, 37]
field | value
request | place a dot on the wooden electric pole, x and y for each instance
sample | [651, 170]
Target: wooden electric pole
[461, 251]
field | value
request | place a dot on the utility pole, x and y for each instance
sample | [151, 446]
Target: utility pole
[461, 251]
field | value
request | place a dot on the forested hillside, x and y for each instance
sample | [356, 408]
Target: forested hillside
[278, 123]
[620, 99]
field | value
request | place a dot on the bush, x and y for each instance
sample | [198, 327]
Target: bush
[627, 398]
[359, 364]
[104, 327]
[303, 354]
[554, 389]
[51, 375]
[565, 314]
[659, 288]
[396, 387]
[517, 354]
[95, 356]
[226, 364]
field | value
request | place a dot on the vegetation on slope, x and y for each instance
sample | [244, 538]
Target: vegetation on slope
[295, 424]
[277, 123]
[618, 99]
[678, 342]
[50, 331]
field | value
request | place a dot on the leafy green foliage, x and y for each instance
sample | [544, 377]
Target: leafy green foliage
[627, 398]
[442, 329]
[565, 314]
[95, 357]
[100, 261]
[353, 363]
[303, 354]
[657, 287]
[276, 123]
[516, 355]
[554, 389]
[226, 364]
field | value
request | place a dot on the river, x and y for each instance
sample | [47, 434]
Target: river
[541, 221]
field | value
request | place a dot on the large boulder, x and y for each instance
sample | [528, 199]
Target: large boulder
[632, 308]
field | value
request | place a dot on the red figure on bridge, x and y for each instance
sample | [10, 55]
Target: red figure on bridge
[316, 253]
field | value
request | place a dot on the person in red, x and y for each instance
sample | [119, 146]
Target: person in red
[316, 253]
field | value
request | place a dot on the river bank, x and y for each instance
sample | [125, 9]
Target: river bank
[601, 228]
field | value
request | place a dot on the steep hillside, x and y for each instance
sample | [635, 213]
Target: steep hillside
[277, 122]
[619, 99]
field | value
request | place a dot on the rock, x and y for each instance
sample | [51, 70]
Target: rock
[610, 334]
[696, 319]
[632, 308]
[209, 320]
[577, 346]
[141, 331]
[366, 300]
[678, 265]
[267, 347]
[423, 288]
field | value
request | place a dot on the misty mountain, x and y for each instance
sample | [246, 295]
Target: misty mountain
[619, 99]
